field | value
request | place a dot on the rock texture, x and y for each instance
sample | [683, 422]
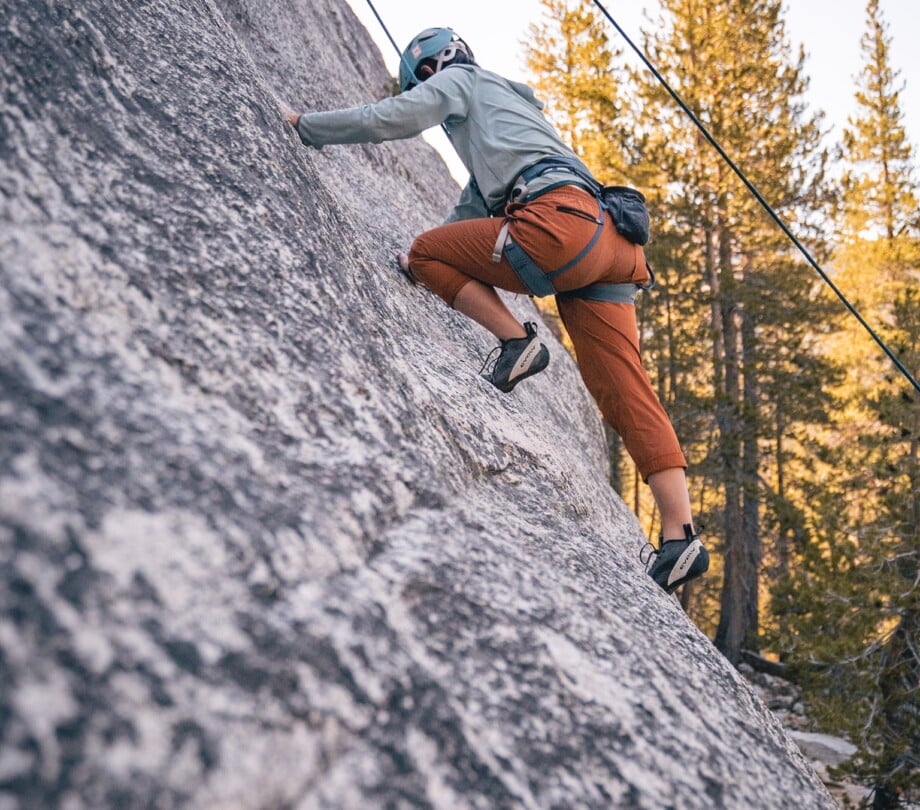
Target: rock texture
[266, 540]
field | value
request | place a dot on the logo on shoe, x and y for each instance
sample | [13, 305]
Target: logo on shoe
[523, 362]
[685, 561]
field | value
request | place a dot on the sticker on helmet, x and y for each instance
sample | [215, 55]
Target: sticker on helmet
[417, 51]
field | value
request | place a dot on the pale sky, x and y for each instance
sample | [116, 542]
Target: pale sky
[828, 29]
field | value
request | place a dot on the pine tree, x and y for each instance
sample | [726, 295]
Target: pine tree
[576, 76]
[728, 336]
[891, 738]
[880, 190]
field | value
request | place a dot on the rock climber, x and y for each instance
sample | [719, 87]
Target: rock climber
[530, 221]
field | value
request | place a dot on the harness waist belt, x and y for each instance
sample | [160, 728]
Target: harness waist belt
[573, 171]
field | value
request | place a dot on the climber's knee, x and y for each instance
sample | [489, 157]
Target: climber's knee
[421, 261]
[435, 273]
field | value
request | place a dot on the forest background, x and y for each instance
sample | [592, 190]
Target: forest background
[802, 436]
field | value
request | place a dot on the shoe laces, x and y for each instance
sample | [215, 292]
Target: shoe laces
[490, 361]
[646, 554]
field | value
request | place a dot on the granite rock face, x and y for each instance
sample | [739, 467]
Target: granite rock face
[266, 539]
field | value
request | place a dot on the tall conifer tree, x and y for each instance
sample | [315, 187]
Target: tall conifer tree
[880, 187]
[577, 75]
[728, 335]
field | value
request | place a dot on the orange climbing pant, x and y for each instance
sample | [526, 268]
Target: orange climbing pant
[604, 334]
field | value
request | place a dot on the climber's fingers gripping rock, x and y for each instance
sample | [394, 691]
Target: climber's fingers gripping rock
[290, 115]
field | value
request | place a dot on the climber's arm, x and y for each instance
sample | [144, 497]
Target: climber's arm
[445, 95]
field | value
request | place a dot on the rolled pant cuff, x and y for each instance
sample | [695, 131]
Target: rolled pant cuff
[661, 463]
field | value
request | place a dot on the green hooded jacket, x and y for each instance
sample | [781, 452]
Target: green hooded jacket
[496, 126]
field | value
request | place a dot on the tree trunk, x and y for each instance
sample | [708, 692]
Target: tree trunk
[750, 468]
[731, 630]
[784, 534]
[615, 450]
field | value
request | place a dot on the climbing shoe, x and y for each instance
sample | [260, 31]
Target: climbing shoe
[677, 561]
[518, 359]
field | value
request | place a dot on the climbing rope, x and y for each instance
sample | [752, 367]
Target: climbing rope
[389, 37]
[734, 167]
[759, 197]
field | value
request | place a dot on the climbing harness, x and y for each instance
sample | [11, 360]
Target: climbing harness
[626, 207]
[760, 199]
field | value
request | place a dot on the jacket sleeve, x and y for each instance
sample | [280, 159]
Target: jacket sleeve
[445, 95]
[471, 205]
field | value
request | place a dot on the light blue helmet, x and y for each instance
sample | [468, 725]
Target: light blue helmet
[439, 44]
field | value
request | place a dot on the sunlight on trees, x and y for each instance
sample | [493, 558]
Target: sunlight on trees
[802, 438]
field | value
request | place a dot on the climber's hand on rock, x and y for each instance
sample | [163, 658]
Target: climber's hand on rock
[289, 115]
